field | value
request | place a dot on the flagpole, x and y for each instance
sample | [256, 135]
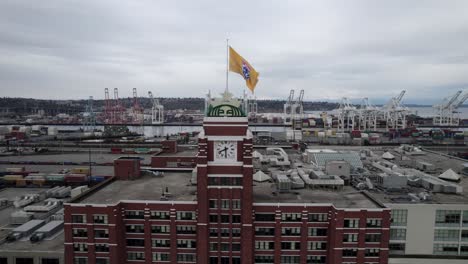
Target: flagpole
[227, 65]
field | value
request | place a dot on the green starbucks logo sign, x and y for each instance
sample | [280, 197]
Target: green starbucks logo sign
[223, 110]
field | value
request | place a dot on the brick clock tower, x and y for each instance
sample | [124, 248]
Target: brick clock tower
[224, 185]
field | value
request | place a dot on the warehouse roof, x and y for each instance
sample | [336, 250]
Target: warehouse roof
[146, 188]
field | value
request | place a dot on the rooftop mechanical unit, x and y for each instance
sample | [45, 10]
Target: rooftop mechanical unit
[48, 230]
[25, 230]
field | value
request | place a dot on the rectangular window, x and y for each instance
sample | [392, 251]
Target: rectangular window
[213, 232]
[316, 259]
[236, 246]
[225, 232]
[399, 217]
[464, 235]
[317, 245]
[294, 245]
[448, 218]
[350, 238]
[313, 231]
[159, 256]
[372, 252]
[135, 242]
[265, 217]
[290, 259]
[101, 247]
[213, 181]
[446, 235]
[134, 214]
[397, 234]
[224, 204]
[236, 204]
[445, 249]
[465, 218]
[140, 229]
[318, 217]
[100, 219]
[80, 232]
[80, 247]
[224, 246]
[188, 230]
[373, 238]
[185, 243]
[183, 257]
[80, 260]
[291, 231]
[373, 222]
[225, 219]
[236, 232]
[464, 249]
[214, 246]
[237, 181]
[265, 245]
[264, 259]
[396, 248]
[160, 215]
[102, 261]
[101, 233]
[213, 203]
[350, 252]
[79, 219]
[351, 223]
[291, 217]
[185, 215]
[236, 218]
[213, 218]
[160, 229]
[264, 231]
[161, 243]
[135, 256]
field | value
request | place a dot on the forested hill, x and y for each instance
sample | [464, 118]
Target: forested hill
[29, 105]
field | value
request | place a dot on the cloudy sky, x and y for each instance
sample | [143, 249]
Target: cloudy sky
[73, 49]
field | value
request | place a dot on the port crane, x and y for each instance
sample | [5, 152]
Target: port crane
[288, 114]
[250, 105]
[346, 115]
[446, 112]
[157, 110]
[395, 113]
[368, 114]
[137, 110]
[89, 117]
[294, 110]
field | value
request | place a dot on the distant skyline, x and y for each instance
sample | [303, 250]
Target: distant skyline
[73, 49]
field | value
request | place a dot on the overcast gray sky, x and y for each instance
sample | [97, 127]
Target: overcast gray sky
[73, 49]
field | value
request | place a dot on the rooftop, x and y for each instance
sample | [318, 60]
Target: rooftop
[348, 197]
[51, 244]
[184, 153]
[441, 164]
[146, 188]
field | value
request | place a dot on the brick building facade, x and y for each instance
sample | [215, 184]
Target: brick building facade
[224, 223]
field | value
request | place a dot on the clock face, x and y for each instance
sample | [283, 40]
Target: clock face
[225, 150]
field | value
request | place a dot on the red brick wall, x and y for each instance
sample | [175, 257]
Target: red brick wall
[163, 161]
[127, 169]
[169, 146]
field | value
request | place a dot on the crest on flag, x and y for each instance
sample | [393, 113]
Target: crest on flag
[245, 70]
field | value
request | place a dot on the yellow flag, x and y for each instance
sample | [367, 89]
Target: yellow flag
[242, 67]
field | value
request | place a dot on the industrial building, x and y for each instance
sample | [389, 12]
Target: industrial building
[224, 201]
[226, 217]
